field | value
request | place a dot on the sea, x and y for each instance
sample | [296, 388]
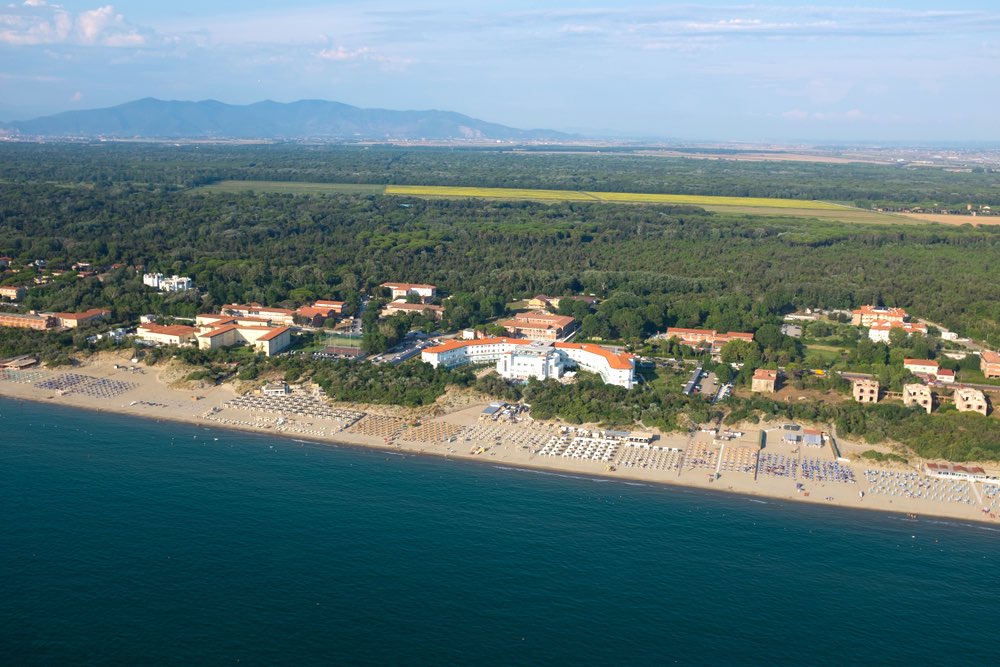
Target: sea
[126, 541]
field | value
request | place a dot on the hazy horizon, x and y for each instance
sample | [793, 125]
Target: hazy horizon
[774, 71]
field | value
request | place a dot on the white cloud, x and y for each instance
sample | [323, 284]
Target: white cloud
[91, 23]
[343, 54]
[824, 116]
[37, 22]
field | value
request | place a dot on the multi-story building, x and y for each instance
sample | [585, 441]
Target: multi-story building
[539, 325]
[700, 337]
[918, 395]
[968, 399]
[869, 315]
[989, 363]
[74, 320]
[282, 316]
[879, 331]
[921, 366]
[269, 340]
[28, 321]
[397, 307]
[172, 334]
[14, 293]
[764, 380]
[518, 358]
[174, 283]
[403, 290]
[865, 390]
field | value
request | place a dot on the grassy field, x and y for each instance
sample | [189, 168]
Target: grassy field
[610, 197]
[824, 354]
[750, 205]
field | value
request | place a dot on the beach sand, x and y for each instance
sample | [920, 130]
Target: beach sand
[701, 462]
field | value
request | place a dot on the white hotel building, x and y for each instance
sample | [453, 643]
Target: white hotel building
[520, 359]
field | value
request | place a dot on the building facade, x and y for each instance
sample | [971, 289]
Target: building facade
[764, 380]
[918, 395]
[879, 331]
[403, 290]
[539, 325]
[28, 321]
[989, 363]
[173, 334]
[869, 315]
[968, 399]
[518, 358]
[865, 391]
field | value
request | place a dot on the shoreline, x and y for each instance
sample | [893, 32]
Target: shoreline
[460, 434]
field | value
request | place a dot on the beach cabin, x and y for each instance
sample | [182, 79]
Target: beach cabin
[812, 437]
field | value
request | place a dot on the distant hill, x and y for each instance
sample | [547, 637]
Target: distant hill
[307, 119]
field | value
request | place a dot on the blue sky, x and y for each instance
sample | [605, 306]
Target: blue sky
[823, 71]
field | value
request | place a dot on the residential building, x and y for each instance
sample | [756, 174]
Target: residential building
[14, 293]
[869, 315]
[946, 376]
[764, 380]
[539, 325]
[28, 321]
[518, 358]
[879, 331]
[968, 399]
[540, 302]
[73, 320]
[918, 395]
[989, 363]
[921, 366]
[403, 290]
[174, 283]
[397, 307]
[865, 390]
[5, 262]
[171, 334]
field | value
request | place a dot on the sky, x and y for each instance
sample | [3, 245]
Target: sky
[822, 71]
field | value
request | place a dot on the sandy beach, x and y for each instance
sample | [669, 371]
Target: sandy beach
[733, 462]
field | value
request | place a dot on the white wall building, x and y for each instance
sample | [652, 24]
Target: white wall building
[174, 283]
[517, 358]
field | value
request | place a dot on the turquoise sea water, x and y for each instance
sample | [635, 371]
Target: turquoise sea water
[125, 541]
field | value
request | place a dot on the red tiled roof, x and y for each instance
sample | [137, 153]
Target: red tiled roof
[217, 332]
[620, 361]
[274, 334]
[765, 374]
[87, 314]
[399, 286]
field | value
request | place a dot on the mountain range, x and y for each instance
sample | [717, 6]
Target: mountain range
[151, 118]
